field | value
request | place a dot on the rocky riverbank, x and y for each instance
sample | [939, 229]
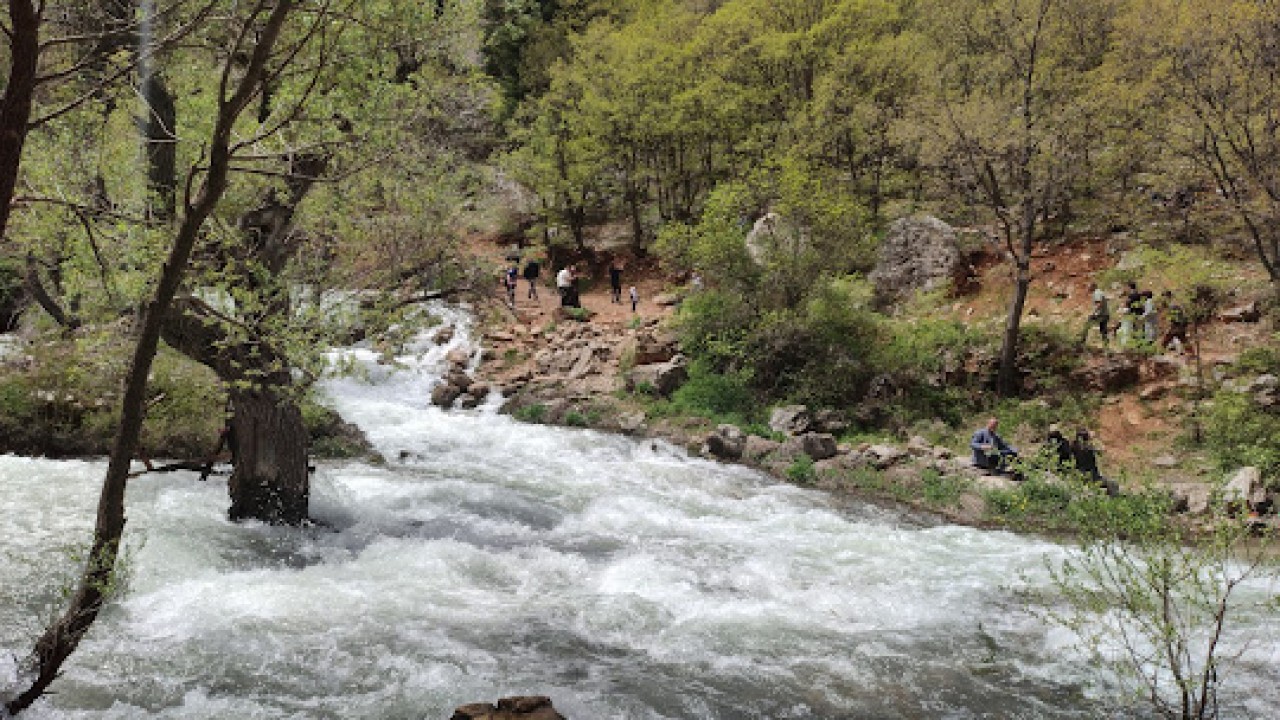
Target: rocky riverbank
[603, 375]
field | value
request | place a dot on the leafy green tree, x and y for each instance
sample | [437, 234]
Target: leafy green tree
[1011, 119]
[1209, 73]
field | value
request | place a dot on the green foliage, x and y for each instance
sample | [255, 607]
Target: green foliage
[533, 413]
[1039, 501]
[1239, 432]
[1156, 605]
[941, 490]
[574, 418]
[722, 397]
[801, 470]
[1259, 360]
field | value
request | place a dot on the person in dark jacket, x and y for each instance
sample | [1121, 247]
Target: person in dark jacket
[1086, 460]
[532, 270]
[1057, 449]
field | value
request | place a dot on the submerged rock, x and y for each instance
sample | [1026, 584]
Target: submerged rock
[512, 708]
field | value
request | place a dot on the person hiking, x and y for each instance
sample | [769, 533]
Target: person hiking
[531, 272]
[566, 283]
[1178, 322]
[1150, 317]
[1085, 457]
[635, 298]
[991, 452]
[615, 281]
[1101, 315]
[509, 280]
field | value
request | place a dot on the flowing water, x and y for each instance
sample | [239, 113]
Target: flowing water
[490, 558]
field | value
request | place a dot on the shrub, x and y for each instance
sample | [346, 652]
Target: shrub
[802, 471]
[533, 413]
[1238, 432]
[723, 397]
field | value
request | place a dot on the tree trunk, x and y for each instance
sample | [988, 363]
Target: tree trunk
[160, 133]
[270, 480]
[269, 450]
[15, 105]
[1007, 380]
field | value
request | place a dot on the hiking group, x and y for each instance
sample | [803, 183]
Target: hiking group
[566, 280]
[1140, 318]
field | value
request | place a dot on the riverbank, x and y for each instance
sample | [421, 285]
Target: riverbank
[616, 370]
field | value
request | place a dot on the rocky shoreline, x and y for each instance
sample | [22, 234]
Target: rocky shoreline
[597, 375]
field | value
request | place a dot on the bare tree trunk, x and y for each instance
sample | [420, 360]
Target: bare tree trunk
[15, 106]
[64, 634]
[1007, 379]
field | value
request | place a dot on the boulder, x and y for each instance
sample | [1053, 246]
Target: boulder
[458, 379]
[469, 401]
[631, 423]
[443, 335]
[771, 233]
[726, 443]
[444, 394]
[829, 421]
[1249, 312]
[650, 349]
[666, 300]
[1109, 373]
[1245, 490]
[918, 254]
[1190, 498]
[513, 708]
[661, 378]
[818, 446]
[791, 419]
[757, 448]
[885, 456]
[458, 357]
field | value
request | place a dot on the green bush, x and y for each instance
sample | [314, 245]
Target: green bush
[802, 471]
[724, 397]
[940, 489]
[1238, 432]
[534, 413]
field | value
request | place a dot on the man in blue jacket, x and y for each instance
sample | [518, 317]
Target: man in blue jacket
[990, 451]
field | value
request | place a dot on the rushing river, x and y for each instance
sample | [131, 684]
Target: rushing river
[491, 558]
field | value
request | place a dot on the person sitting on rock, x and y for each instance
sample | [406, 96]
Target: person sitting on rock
[1086, 461]
[991, 452]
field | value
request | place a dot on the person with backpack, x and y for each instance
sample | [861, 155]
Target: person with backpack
[531, 272]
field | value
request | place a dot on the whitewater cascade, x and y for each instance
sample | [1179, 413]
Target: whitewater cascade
[490, 558]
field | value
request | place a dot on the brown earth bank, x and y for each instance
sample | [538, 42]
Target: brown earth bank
[600, 368]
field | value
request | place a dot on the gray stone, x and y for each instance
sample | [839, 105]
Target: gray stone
[1190, 498]
[726, 443]
[918, 254]
[829, 421]
[1249, 312]
[790, 419]
[818, 446]
[444, 394]
[1165, 461]
[662, 378]
[1245, 489]
[458, 357]
[443, 335]
[757, 448]
[631, 423]
[885, 456]
[468, 401]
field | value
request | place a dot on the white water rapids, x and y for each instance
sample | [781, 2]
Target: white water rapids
[491, 558]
